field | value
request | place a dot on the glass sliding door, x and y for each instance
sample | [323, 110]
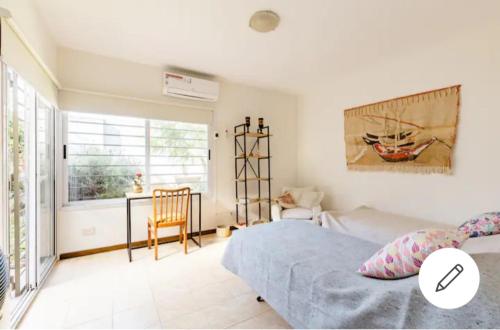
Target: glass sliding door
[20, 107]
[30, 218]
[45, 185]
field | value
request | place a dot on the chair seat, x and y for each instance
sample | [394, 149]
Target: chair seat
[168, 219]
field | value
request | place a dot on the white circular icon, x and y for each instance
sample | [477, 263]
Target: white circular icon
[449, 278]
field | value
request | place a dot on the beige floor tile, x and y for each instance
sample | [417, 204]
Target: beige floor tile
[87, 308]
[237, 287]
[100, 285]
[266, 320]
[222, 315]
[45, 314]
[144, 317]
[177, 291]
[102, 323]
[126, 298]
[181, 302]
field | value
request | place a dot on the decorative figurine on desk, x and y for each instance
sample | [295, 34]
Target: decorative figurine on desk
[138, 182]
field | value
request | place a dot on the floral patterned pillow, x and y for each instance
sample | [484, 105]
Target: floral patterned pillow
[404, 256]
[482, 225]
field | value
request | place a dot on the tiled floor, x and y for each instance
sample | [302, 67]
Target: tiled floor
[177, 291]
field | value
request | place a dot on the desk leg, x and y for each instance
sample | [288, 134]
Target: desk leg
[129, 229]
[199, 219]
[197, 242]
[191, 216]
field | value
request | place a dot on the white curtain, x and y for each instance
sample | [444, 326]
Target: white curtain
[15, 54]
[96, 103]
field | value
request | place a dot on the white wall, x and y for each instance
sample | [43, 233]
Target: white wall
[81, 71]
[278, 111]
[25, 14]
[470, 58]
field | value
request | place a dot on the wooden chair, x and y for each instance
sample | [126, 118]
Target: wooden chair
[170, 209]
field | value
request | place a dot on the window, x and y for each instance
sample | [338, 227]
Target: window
[105, 152]
[178, 154]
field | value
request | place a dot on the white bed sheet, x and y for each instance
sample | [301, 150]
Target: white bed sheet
[374, 225]
[383, 227]
[484, 244]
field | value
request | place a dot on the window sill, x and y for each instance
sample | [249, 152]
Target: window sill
[111, 203]
[99, 204]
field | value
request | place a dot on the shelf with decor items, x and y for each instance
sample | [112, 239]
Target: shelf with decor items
[252, 171]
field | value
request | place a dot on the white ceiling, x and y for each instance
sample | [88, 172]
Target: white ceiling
[316, 38]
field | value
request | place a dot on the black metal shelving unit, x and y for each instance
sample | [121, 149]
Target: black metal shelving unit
[247, 153]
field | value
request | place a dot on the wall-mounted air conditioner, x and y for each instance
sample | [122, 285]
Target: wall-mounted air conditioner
[186, 87]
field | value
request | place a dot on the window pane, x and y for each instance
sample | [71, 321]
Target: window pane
[103, 155]
[45, 182]
[179, 155]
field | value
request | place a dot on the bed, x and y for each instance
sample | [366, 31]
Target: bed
[307, 273]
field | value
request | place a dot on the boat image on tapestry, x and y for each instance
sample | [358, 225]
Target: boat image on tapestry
[414, 133]
[396, 151]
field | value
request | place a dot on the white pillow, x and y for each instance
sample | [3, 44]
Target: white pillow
[297, 214]
[297, 192]
[483, 244]
[310, 199]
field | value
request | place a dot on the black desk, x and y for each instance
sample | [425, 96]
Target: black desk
[136, 196]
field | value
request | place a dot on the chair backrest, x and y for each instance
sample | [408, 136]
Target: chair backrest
[171, 205]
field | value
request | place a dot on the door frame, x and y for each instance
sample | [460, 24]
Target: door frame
[44, 270]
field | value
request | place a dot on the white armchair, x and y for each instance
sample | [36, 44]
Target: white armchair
[308, 203]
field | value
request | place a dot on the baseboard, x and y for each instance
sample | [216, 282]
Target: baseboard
[138, 244]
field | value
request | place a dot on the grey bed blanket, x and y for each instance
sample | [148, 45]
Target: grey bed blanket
[308, 275]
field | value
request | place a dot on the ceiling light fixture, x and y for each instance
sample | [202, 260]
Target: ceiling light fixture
[264, 21]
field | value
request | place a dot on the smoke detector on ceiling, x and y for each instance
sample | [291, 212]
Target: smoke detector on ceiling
[264, 21]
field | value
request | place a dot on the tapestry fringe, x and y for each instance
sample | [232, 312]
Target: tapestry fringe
[401, 168]
[400, 101]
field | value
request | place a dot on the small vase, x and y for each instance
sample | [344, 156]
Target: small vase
[137, 188]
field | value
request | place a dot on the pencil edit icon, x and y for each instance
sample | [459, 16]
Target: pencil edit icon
[449, 277]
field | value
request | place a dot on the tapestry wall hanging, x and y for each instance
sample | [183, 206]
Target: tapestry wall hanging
[415, 133]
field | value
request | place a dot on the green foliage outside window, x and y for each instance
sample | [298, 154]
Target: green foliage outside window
[105, 170]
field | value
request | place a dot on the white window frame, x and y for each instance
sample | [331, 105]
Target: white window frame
[119, 202]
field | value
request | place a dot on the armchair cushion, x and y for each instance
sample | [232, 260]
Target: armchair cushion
[297, 213]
